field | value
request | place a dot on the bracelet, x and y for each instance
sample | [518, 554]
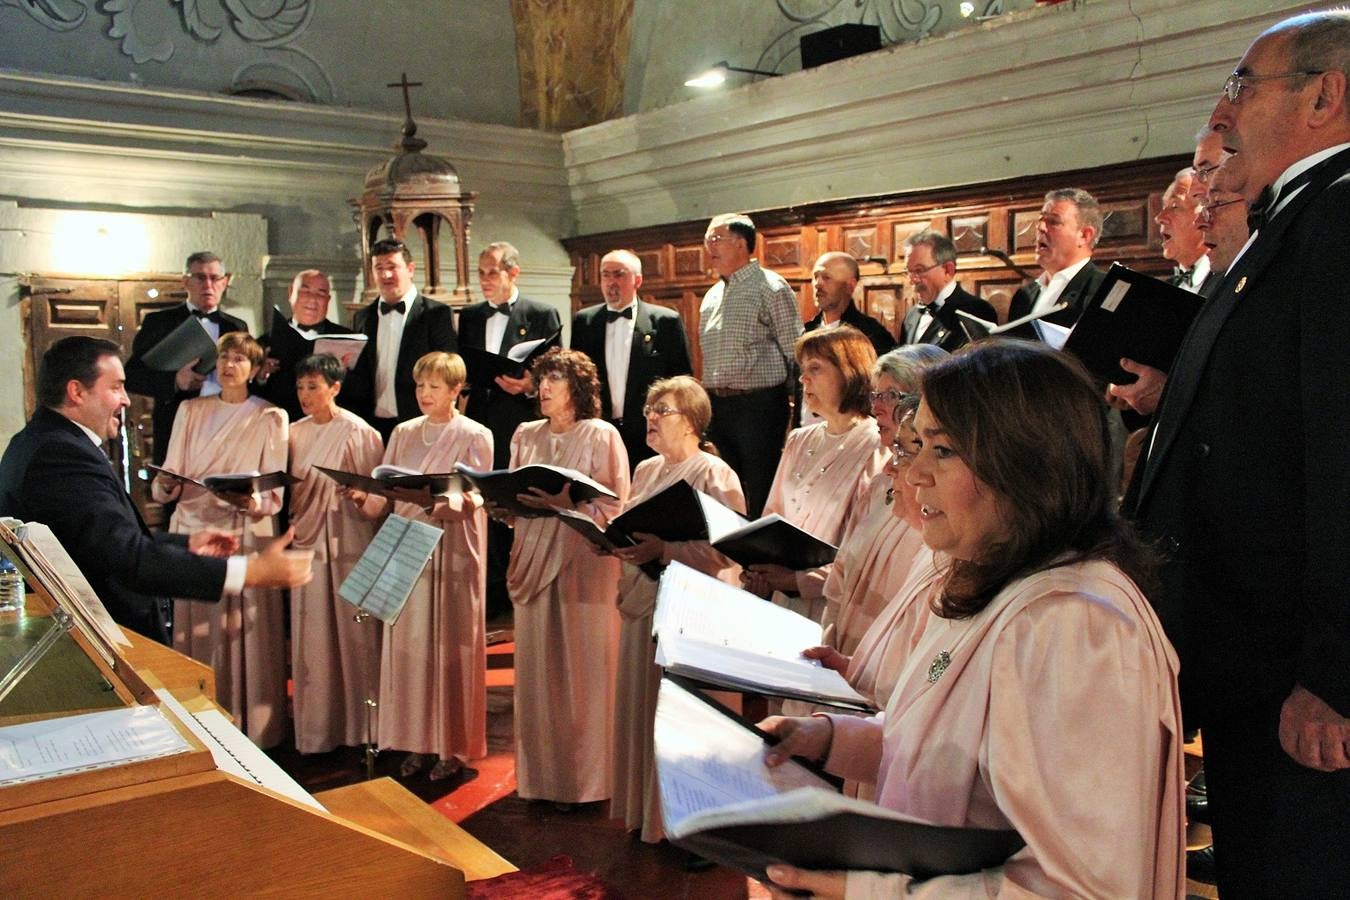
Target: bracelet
[829, 744]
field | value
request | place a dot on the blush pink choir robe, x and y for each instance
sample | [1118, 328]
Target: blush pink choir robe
[635, 798]
[335, 661]
[821, 486]
[242, 638]
[1058, 715]
[873, 562]
[567, 623]
[433, 668]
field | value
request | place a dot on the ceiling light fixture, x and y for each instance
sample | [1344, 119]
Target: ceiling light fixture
[717, 75]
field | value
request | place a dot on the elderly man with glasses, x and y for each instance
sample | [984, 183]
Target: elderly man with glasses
[930, 264]
[1245, 484]
[205, 280]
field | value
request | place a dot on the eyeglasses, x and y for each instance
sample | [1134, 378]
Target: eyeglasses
[554, 376]
[1205, 174]
[890, 396]
[1206, 211]
[1232, 88]
[915, 273]
[204, 277]
[660, 411]
[711, 239]
[901, 453]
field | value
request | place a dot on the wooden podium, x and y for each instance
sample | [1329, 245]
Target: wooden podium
[178, 825]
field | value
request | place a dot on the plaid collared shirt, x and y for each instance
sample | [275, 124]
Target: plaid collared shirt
[747, 325]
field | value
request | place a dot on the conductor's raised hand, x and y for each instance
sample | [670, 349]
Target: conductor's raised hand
[538, 498]
[806, 736]
[276, 566]
[213, 542]
[188, 378]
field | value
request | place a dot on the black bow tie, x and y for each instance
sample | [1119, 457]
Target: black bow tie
[612, 316]
[213, 315]
[503, 310]
[399, 307]
[1182, 275]
[1259, 213]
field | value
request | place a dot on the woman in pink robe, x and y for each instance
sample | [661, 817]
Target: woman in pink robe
[876, 552]
[433, 665]
[243, 637]
[565, 596]
[1041, 695]
[335, 660]
[822, 481]
[678, 413]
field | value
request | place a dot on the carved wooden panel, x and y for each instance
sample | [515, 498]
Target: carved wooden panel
[653, 264]
[1000, 215]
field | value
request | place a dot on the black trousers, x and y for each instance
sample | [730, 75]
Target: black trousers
[749, 431]
[1280, 830]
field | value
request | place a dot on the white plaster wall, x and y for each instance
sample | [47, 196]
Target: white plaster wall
[339, 52]
[1077, 85]
[76, 143]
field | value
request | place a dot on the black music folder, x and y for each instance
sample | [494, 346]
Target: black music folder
[181, 346]
[484, 366]
[720, 801]
[232, 482]
[502, 485]
[1135, 316]
[774, 540]
[385, 478]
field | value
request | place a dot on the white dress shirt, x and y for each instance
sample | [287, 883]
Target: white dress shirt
[1053, 286]
[618, 349]
[926, 319]
[388, 339]
[495, 330]
[211, 386]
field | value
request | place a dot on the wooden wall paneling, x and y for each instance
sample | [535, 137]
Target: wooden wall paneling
[1000, 215]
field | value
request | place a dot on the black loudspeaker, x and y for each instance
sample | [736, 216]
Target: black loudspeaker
[839, 42]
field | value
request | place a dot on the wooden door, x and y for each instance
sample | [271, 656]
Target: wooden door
[58, 307]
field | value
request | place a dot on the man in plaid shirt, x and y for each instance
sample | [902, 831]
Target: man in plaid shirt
[748, 323]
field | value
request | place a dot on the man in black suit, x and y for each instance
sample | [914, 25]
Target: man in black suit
[500, 321]
[1067, 231]
[54, 471]
[205, 282]
[633, 344]
[1246, 484]
[402, 327]
[311, 292]
[930, 263]
[1182, 242]
[834, 278]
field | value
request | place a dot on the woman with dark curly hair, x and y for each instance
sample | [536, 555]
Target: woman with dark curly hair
[1041, 695]
[565, 596]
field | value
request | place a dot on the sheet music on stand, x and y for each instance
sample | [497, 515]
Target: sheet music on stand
[43, 562]
[384, 576]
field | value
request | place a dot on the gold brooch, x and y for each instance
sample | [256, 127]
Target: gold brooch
[1242, 283]
[521, 332]
[938, 666]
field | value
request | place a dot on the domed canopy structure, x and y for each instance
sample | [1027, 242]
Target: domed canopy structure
[410, 197]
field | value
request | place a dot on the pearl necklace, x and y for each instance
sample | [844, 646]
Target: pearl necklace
[440, 432]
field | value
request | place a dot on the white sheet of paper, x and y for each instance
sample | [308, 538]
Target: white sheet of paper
[36, 750]
[234, 753]
[785, 670]
[700, 607]
[384, 576]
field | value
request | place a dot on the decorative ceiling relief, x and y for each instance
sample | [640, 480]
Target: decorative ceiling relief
[58, 15]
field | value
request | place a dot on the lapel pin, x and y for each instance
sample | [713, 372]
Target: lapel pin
[646, 339]
[521, 332]
[1242, 283]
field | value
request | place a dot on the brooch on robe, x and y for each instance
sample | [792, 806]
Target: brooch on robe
[938, 666]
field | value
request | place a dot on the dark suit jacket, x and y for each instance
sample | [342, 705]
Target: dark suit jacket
[873, 330]
[501, 412]
[429, 326]
[159, 386]
[1076, 293]
[659, 350]
[1247, 487]
[945, 329]
[52, 473]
